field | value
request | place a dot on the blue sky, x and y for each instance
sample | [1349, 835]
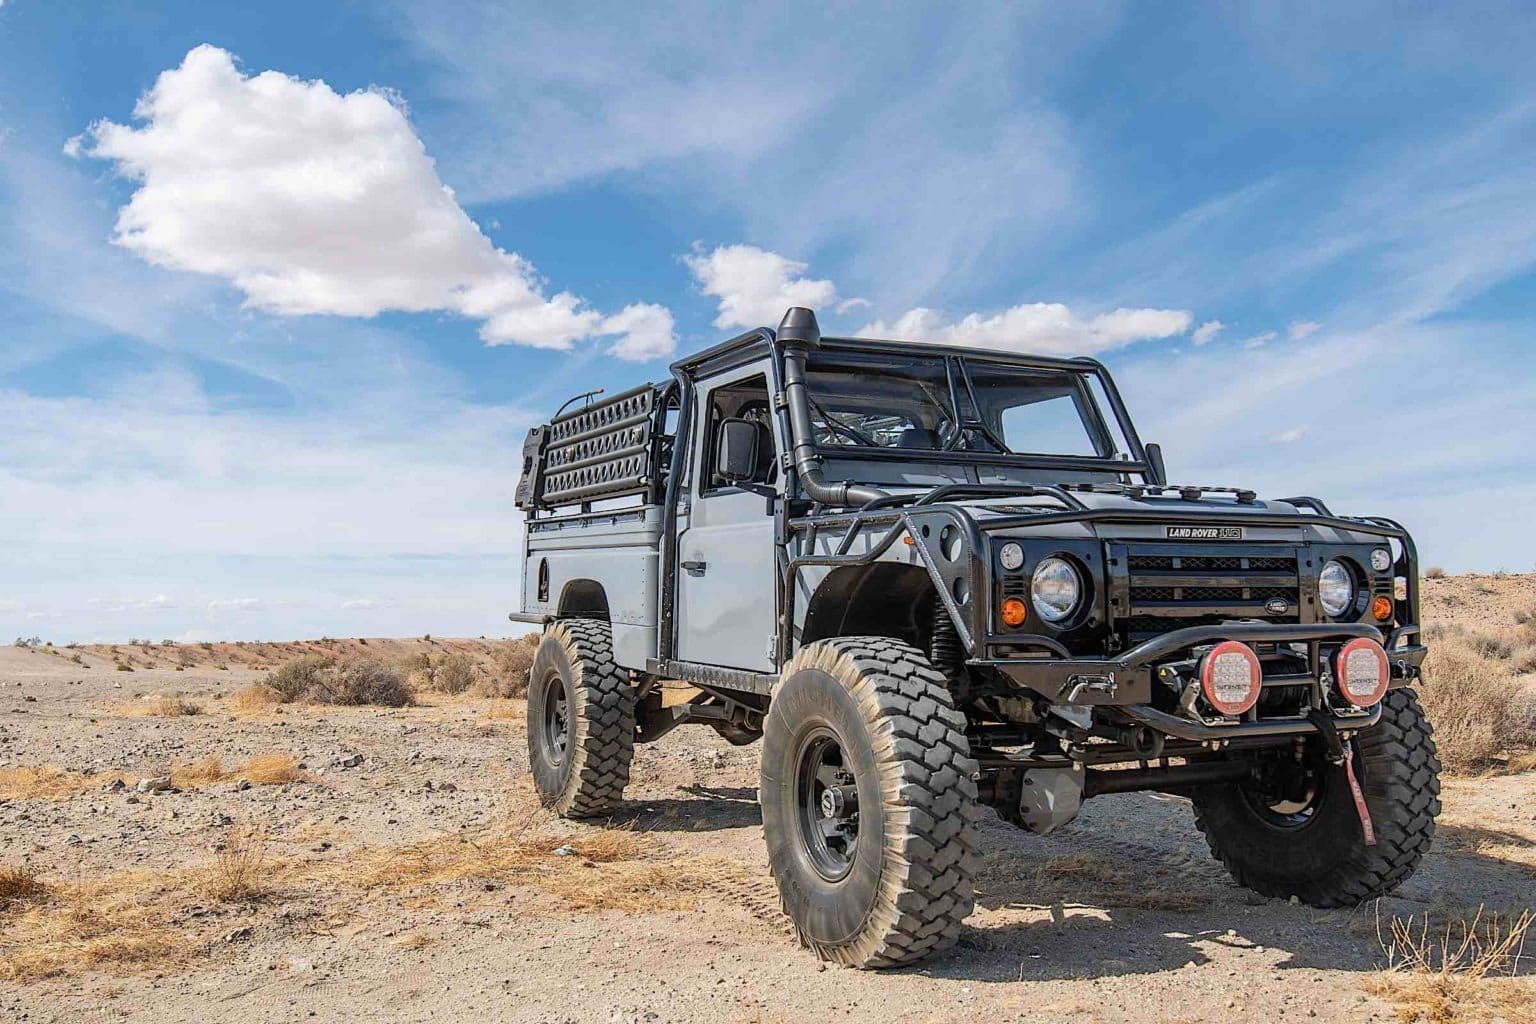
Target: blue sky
[282, 285]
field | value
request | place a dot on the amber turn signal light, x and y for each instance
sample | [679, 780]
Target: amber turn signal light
[1014, 612]
[1381, 607]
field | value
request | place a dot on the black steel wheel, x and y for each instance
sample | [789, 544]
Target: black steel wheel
[1299, 834]
[826, 805]
[581, 720]
[869, 803]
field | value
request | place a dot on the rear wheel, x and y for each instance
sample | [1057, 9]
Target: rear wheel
[1301, 835]
[869, 803]
[581, 720]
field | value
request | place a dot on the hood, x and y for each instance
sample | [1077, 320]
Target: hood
[1206, 515]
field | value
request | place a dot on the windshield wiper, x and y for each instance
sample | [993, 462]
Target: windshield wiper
[846, 429]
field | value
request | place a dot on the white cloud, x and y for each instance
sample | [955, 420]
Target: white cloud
[1046, 328]
[156, 603]
[1206, 332]
[1290, 434]
[756, 286]
[1301, 329]
[1259, 340]
[235, 604]
[645, 332]
[310, 201]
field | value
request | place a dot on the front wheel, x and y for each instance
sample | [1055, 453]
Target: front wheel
[1303, 836]
[581, 720]
[869, 803]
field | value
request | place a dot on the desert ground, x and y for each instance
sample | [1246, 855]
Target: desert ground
[175, 847]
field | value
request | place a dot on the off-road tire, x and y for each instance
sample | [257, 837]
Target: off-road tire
[1325, 862]
[589, 776]
[909, 885]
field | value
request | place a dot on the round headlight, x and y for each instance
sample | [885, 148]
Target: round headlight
[1381, 559]
[1335, 588]
[1011, 555]
[1055, 589]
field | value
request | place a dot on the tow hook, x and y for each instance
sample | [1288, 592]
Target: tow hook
[1342, 752]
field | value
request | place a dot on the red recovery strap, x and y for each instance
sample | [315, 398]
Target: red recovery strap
[1354, 787]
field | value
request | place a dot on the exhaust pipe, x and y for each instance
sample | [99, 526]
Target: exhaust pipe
[798, 333]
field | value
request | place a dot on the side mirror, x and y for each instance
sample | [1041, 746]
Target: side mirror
[736, 451]
[1155, 458]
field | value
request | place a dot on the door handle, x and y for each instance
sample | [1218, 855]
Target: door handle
[695, 568]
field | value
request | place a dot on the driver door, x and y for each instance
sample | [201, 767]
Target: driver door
[726, 595]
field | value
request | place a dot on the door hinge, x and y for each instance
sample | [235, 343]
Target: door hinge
[773, 650]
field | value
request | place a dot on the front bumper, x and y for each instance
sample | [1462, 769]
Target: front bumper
[1125, 682]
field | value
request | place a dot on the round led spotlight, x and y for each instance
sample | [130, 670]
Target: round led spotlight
[1231, 678]
[1381, 559]
[1363, 672]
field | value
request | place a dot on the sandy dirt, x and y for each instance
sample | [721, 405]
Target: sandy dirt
[1123, 916]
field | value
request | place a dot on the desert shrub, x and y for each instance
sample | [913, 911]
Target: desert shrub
[453, 673]
[509, 670]
[317, 679]
[365, 681]
[1526, 621]
[418, 668]
[1523, 659]
[1490, 646]
[1477, 709]
[445, 673]
[1434, 572]
[300, 677]
[237, 873]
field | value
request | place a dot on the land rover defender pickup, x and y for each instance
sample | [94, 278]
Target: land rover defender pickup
[932, 579]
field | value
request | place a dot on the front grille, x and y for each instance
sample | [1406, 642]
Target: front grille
[1166, 589]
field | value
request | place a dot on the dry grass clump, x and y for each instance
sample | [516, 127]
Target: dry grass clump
[1478, 711]
[1434, 572]
[1461, 969]
[20, 885]
[203, 772]
[270, 770]
[45, 783]
[117, 923]
[318, 679]
[261, 770]
[254, 699]
[127, 921]
[510, 665]
[160, 706]
[135, 921]
[601, 871]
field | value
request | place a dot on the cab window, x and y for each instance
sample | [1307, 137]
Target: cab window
[744, 400]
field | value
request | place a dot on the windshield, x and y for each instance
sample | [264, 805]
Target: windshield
[878, 401]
